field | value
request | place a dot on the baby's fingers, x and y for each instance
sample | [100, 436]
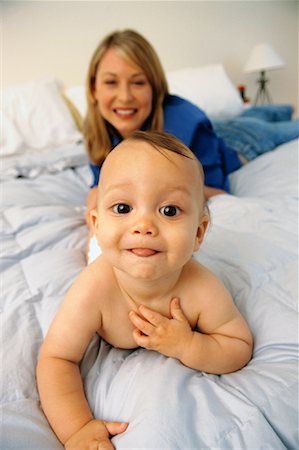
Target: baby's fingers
[113, 428]
[103, 445]
[141, 324]
[176, 311]
[153, 317]
[116, 427]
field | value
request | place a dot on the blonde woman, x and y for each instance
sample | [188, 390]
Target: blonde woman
[127, 91]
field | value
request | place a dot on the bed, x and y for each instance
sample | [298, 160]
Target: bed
[251, 245]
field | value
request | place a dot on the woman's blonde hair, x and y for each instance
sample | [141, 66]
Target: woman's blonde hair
[138, 51]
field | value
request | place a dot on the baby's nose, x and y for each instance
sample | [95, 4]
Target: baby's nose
[146, 226]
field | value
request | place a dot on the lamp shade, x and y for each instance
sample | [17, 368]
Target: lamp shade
[263, 57]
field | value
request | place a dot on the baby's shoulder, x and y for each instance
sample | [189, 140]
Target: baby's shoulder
[99, 267]
[199, 276]
[197, 271]
[96, 278]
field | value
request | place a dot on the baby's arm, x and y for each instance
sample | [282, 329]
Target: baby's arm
[58, 376]
[221, 344]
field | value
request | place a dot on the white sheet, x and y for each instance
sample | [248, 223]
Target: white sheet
[252, 246]
[31, 163]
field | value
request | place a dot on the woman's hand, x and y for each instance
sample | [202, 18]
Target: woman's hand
[95, 435]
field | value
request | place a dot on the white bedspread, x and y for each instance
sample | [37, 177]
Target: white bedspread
[252, 246]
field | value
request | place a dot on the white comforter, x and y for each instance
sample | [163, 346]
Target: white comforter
[252, 246]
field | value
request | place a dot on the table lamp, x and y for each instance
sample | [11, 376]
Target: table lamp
[263, 57]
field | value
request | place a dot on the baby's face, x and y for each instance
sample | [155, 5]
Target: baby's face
[150, 210]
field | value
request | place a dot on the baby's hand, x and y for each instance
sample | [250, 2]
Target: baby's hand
[156, 332]
[95, 435]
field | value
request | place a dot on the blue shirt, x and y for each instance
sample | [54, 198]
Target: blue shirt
[190, 124]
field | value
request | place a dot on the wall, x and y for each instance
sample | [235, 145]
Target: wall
[42, 38]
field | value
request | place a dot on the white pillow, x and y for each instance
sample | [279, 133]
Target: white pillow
[76, 94]
[209, 88]
[10, 139]
[38, 115]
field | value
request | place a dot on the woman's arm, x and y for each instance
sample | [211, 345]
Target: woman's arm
[210, 192]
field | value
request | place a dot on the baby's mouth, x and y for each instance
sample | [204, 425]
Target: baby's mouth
[144, 252]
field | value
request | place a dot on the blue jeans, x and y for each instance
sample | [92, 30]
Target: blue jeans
[258, 130]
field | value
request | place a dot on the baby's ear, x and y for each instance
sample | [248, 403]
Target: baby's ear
[94, 219]
[201, 230]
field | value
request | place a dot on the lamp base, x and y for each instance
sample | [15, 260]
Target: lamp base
[262, 95]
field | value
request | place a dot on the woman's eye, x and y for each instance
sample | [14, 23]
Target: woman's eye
[170, 210]
[139, 82]
[122, 208]
[110, 82]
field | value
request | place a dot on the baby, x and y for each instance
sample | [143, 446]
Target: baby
[145, 289]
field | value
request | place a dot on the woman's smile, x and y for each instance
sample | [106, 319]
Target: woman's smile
[125, 113]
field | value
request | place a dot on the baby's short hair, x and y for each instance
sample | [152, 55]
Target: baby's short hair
[162, 140]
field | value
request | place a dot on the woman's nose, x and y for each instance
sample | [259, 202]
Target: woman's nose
[124, 92]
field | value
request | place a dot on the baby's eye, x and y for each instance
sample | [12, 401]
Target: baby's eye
[170, 211]
[122, 208]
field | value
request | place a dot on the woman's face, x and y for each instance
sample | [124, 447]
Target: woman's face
[123, 93]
